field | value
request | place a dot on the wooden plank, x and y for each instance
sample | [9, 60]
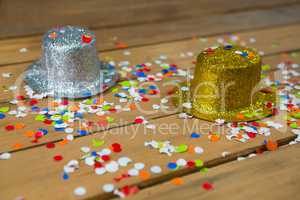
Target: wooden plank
[273, 175]
[286, 39]
[17, 21]
[12, 140]
[144, 33]
[42, 172]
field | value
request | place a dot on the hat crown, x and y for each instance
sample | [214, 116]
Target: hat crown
[225, 78]
[69, 66]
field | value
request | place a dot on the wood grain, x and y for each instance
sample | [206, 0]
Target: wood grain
[40, 165]
[11, 139]
[202, 24]
[34, 17]
[273, 175]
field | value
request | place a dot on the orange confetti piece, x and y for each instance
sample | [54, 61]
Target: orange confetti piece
[29, 133]
[191, 149]
[132, 106]
[73, 108]
[17, 146]
[177, 181]
[240, 116]
[272, 145]
[19, 125]
[63, 142]
[144, 175]
[214, 138]
[121, 45]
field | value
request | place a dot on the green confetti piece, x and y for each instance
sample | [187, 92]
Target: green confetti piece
[198, 163]
[262, 76]
[4, 109]
[204, 170]
[293, 125]
[115, 89]
[248, 115]
[182, 148]
[65, 117]
[109, 119]
[88, 102]
[106, 107]
[40, 118]
[265, 67]
[296, 115]
[97, 143]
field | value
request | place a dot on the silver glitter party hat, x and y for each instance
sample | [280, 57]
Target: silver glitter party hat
[69, 66]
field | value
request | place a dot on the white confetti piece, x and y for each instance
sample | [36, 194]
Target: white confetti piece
[100, 170]
[108, 188]
[112, 167]
[156, 169]
[5, 156]
[80, 191]
[133, 172]
[139, 166]
[124, 161]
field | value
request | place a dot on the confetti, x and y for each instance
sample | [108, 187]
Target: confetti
[108, 188]
[177, 181]
[207, 186]
[5, 156]
[58, 157]
[80, 191]
[156, 169]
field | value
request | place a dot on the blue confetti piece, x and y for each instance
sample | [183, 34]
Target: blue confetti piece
[66, 176]
[227, 47]
[45, 132]
[195, 135]
[59, 129]
[172, 165]
[82, 132]
[244, 54]
[2, 116]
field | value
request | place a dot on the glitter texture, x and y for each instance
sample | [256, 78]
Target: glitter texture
[226, 86]
[69, 66]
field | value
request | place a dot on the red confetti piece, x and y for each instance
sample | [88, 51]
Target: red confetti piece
[207, 186]
[47, 121]
[144, 99]
[58, 158]
[20, 97]
[191, 163]
[116, 147]
[128, 190]
[86, 38]
[98, 165]
[50, 145]
[138, 120]
[65, 102]
[38, 134]
[10, 127]
[33, 102]
[105, 157]
[251, 134]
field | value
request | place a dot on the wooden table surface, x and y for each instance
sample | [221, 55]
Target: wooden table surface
[139, 32]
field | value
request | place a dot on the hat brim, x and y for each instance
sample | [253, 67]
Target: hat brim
[258, 109]
[36, 78]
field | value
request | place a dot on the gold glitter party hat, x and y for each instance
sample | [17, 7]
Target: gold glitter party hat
[226, 86]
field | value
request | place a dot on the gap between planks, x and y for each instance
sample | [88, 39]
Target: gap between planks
[166, 31]
[284, 47]
[189, 171]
